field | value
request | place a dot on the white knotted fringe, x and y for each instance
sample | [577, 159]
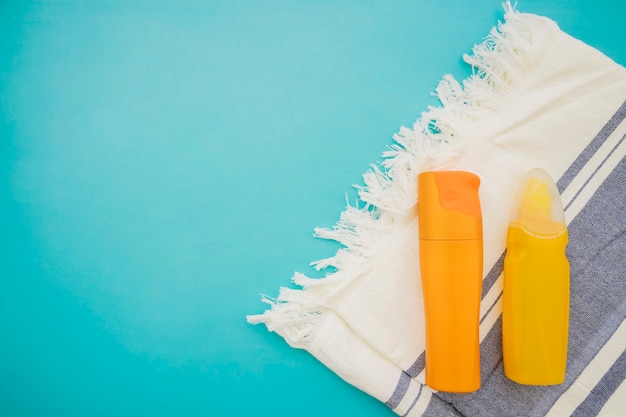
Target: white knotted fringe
[500, 64]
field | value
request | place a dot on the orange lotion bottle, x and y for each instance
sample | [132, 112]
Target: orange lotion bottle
[451, 265]
[535, 313]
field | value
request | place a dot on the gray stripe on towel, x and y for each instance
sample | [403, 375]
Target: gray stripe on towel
[601, 393]
[493, 275]
[400, 391]
[592, 148]
[417, 397]
[595, 172]
[418, 366]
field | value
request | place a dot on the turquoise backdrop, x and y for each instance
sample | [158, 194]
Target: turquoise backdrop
[164, 162]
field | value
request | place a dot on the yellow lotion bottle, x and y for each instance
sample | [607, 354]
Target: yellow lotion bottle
[535, 316]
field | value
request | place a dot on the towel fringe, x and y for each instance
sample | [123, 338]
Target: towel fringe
[388, 198]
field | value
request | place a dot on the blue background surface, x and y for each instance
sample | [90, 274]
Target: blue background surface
[162, 163]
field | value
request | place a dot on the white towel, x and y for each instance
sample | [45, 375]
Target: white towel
[537, 98]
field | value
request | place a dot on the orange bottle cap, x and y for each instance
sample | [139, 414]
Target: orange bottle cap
[449, 206]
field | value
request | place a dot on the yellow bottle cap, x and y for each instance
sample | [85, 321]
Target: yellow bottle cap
[538, 208]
